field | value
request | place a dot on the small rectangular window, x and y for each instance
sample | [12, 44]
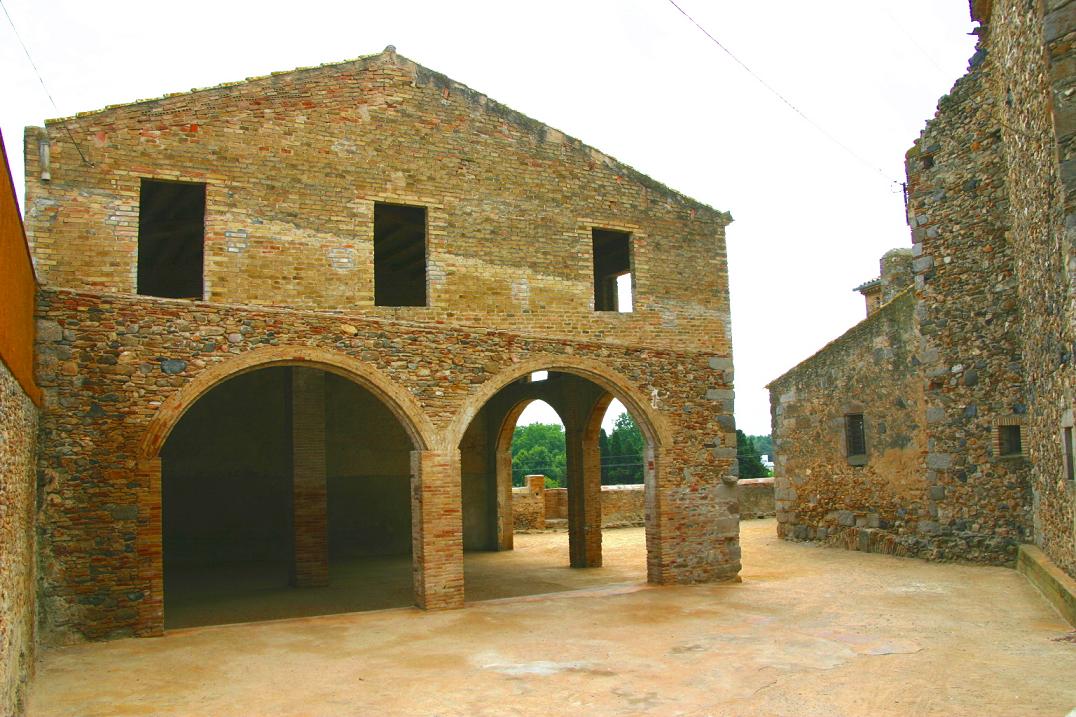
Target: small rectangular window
[399, 255]
[1070, 468]
[612, 270]
[1009, 441]
[855, 439]
[171, 239]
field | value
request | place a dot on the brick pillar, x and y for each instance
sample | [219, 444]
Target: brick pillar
[310, 567]
[150, 607]
[505, 520]
[584, 499]
[437, 529]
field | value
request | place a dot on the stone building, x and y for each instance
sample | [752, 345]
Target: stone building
[942, 425]
[296, 317]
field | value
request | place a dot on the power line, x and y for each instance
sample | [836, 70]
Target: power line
[822, 130]
[41, 79]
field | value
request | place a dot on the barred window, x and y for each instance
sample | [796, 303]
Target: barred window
[855, 439]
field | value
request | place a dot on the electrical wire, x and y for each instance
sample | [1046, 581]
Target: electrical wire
[822, 130]
[41, 79]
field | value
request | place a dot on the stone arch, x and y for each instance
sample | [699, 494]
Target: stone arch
[653, 425]
[399, 401]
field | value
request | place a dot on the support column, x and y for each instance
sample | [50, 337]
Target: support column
[150, 607]
[503, 479]
[437, 529]
[310, 567]
[584, 499]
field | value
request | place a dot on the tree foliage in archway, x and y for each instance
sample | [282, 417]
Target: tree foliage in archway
[622, 452]
[538, 448]
[749, 457]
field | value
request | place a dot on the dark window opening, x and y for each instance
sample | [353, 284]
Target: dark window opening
[612, 270]
[1009, 441]
[171, 239]
[1070, 468]
[399, 255]
[855, 436]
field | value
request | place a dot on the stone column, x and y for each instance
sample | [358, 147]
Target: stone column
[584, 499]
[310, 567]
[437, 529]
[150, 606]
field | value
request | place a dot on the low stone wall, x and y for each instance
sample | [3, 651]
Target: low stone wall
[756, 498]
[623, 506]
[529, 505]
[18, 430]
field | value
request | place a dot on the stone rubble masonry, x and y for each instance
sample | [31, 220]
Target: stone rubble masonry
[756, 497]
[991, 199]
[622, 506]
[528, 504]
[293, 165]
[1036, 103]
[18, 431]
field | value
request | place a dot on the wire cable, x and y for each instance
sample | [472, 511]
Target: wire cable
[41, 79]
[822, 130]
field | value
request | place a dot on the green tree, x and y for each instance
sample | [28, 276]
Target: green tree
[749, 458]
[764, 445]
[538, 448]
[622, 452]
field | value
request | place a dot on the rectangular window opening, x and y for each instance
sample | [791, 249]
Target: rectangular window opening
[612, 270]
[855, 438]
[1070, 468]
[539, 376]
[399, 255]
[171, 239]
[1009, 443]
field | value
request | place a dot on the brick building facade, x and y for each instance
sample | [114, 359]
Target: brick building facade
[354, 272]
[970, 373]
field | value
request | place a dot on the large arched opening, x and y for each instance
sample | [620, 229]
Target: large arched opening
[515, 540]
[286, 489]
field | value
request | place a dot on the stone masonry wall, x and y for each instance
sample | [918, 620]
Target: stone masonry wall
[1035, 43]
[968, 322]
[18, 429]
[819, 494]
[107, 363]
[294, 162]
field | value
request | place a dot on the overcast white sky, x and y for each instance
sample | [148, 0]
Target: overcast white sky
[631, 77]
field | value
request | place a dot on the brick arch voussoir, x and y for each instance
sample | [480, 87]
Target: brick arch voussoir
[654, 425]
[402, 404]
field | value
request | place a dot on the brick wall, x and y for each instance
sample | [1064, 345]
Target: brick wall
[18, 428]
[294, 162]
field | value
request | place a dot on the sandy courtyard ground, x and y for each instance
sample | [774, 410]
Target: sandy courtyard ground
[810, 631]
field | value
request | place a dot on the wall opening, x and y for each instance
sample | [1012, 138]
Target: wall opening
[171, 239]
[1009, 443]
[855, 438]
[622, 447]
[612, 270]
[1070, 458]
[533, 499]
[254, 529]
[399, 255]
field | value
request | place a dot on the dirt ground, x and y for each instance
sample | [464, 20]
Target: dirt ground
[810, 631]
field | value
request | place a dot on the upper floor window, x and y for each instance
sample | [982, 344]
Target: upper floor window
[171, 239]
[399, 255]
[612, 270]
[1008, 439]
[855, 439]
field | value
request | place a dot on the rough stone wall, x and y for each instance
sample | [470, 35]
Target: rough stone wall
[968, 320]
[756, 497]
[108, 362]
[18, 430]
[294, 163]
[819, 494]
[623, 506]
[528, 504]
[1035, 43]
